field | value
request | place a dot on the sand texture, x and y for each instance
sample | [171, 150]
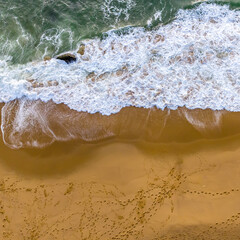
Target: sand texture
[138, 184]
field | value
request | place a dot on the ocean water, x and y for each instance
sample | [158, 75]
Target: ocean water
[137, 53]
[163, 54]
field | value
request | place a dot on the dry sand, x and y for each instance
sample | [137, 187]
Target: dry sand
[182, 183]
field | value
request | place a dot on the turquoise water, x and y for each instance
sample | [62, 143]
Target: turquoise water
[32, 29]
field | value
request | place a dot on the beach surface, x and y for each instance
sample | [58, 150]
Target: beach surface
[184, 186]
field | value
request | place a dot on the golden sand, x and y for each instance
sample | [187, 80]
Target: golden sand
[158, 175]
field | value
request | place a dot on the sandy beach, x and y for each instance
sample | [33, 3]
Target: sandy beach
[131, 186]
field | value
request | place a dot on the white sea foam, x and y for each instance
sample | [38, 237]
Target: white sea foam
[110, 9]
[53, 39]
[157, 16]
[193, 61]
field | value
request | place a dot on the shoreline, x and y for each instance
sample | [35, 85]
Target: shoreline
[176, 136]
[125, 187]
[39, 124]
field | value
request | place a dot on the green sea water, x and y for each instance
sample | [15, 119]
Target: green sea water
[32, 29]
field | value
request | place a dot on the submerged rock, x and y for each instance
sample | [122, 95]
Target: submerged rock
[47, 58]
[81, 49]
[67, 57]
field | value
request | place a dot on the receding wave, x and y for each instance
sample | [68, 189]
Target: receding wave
[27, 123]
[193, 61]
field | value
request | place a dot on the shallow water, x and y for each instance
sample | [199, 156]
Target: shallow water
[30, 124]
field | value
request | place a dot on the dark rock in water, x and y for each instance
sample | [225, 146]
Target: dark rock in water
[81, 49]
[67, 57]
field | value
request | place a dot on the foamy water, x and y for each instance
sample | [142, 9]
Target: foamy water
[193, 61]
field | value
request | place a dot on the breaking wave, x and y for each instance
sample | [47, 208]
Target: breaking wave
[193, 61]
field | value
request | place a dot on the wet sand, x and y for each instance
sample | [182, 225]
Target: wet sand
[179, 180]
